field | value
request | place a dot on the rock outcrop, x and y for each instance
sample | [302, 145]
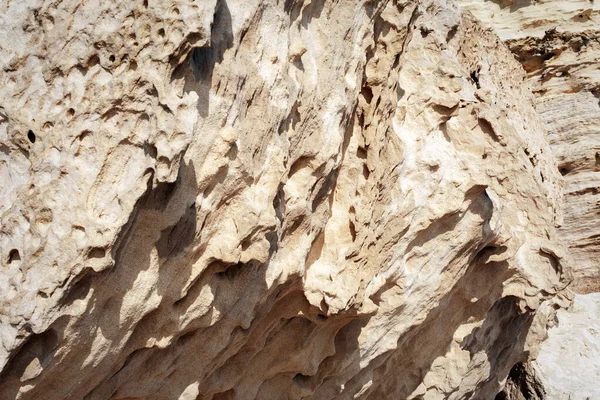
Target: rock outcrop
[568, 362]
[265, 199]
[558, 44]
[578, 332]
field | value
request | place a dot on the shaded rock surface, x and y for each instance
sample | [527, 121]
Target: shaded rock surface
[267, 199]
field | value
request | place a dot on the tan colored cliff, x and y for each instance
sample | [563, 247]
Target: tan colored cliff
[558, 44]
[262, 199]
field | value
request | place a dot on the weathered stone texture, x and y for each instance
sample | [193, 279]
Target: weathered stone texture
[268, 199]
[558, 44]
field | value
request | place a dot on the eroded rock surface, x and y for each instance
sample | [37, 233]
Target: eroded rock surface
[577, 332]
[568, 364]
[262, 199]
[558, 44]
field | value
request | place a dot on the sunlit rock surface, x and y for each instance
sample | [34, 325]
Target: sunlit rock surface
[558, 44]
[577, 332]
[262, 199]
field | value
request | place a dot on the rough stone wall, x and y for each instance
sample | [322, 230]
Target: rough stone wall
[558, 43]
[567, 84]
[268, 199]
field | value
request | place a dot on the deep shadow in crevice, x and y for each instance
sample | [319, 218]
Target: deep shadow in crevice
[514, 5]
[521, 383]
[204, 59]
[400, 371]
[31, 359]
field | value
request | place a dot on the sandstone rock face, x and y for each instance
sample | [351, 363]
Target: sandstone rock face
[577, 332]
[265, 199]
[568, 364]
[558, 43]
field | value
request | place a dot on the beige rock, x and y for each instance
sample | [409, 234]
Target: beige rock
[568, 364]
[233, 199]
[569, 360]
[558, 43]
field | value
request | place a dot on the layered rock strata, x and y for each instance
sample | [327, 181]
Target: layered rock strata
[558, 44]
[265, 199]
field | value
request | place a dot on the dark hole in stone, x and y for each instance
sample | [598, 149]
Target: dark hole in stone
[361, 152]
[352, 230]
[301, 379]
[70, 112]
[452, 33]
[475, 77]
[13, 256]
[31, 136]
[186, 337]
[112, 58]
[564, 171]
[366, 172]
[230, 272]
[548, 56]
[302, 162]
[93, 60]
[145, 3]
[484, 156]
[367, 93]
[161, 32]
[245, 244]
[488, 249]
[83, 135]
[501, 396]
[425, 31]
[96, 252]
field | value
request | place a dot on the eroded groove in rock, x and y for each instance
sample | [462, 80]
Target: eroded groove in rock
[269, 199]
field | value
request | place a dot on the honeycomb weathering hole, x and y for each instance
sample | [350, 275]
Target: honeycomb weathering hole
[13, 256]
